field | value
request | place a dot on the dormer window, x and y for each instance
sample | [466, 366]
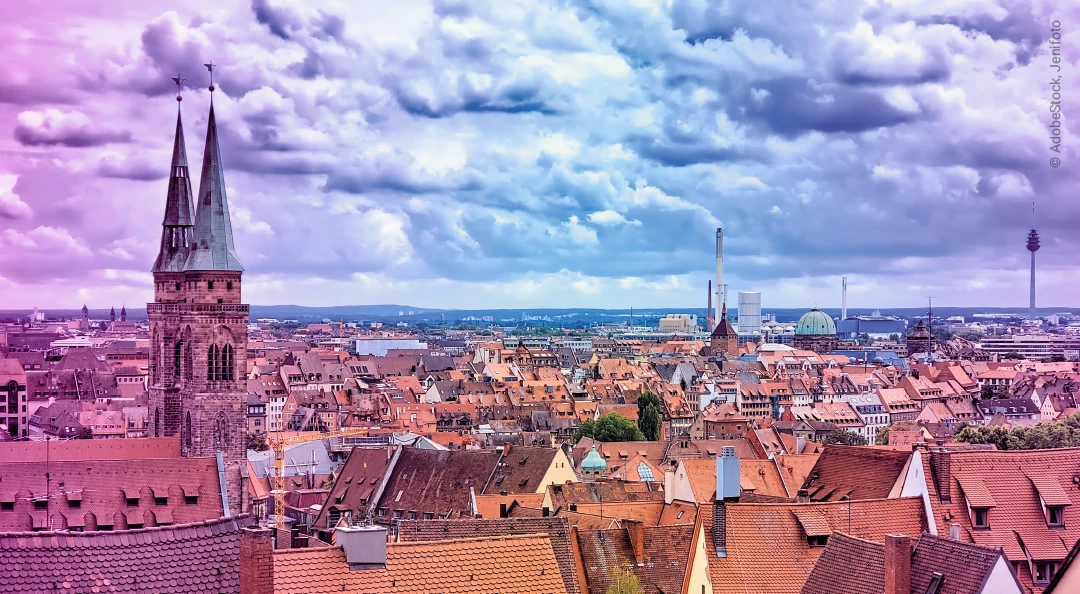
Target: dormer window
[818, 540]
[1055, 516]
[1045, 571]
[980, 518]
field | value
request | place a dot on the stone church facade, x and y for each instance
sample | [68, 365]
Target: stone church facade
[198, 321]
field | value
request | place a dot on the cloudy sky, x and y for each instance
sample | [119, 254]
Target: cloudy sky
[460, 153]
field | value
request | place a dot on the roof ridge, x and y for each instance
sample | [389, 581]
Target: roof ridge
[429, 543]
[935, 539]
[33, 538]
[821, 503]
[861, 540]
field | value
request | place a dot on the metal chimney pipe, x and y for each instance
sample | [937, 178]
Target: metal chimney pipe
[843, 302]
[719, 273]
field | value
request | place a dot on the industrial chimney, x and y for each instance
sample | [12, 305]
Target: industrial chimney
[719, 274]
[843, 302]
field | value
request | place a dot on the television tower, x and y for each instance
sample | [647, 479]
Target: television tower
[1032, 246]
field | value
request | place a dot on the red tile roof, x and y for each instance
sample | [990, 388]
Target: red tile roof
[504, 565]
[105, 490]
[855, 472]
[663, 566]
[766, 544]
[202, 557]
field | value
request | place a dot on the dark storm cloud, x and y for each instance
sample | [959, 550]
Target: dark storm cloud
[279, 21]
[133, 169]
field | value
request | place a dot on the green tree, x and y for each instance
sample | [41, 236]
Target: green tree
[983, 434]
[648, 416]
[841, 437]
[882, 437]
[609, 427]
[257, 442]
[624, 582]
[1062, 433]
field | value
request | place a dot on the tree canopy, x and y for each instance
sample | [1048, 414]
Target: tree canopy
[609, 427]
[841, 437]
[649, 417]
[624, 582]
[1063, 433]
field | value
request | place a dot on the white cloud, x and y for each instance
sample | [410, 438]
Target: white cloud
[610, 218]
[11, 206]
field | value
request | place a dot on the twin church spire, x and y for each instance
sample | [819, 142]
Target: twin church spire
[196, 232]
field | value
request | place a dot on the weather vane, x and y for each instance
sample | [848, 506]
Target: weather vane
[210, 67]
[179, 81]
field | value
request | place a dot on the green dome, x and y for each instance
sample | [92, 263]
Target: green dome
[815, 323]
[594, 461]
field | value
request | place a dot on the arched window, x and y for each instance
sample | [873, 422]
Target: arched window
[187, 431]
[212, 364]
[189, 365]
[157, 422]
[176, 358]
[220, 434]
[227, 363]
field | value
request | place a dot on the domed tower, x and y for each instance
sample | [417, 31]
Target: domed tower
[593, 465]
[816, 332]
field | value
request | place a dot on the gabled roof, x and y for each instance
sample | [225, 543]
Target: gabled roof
[185, 558]
[767, 551]
[855, 473]
[508, 565]
[557, 529]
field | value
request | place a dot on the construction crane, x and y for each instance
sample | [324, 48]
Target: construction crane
[278, 444]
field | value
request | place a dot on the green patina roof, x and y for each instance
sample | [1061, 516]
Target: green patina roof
[815, 322]
[213, 237]
[594, 461]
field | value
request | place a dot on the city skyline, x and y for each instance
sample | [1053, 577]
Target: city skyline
[359, 176]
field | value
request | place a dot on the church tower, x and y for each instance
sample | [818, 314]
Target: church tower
[724, 339]
[198, 324]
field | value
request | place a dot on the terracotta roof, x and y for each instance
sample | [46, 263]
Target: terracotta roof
[665, 555]
[106, 490]
[850, 565]
[506, 565]
[557, 529]
[766, 544]
[854, 472]
[604, 492]
[1017, 522]
[357, 482]
[201, 557]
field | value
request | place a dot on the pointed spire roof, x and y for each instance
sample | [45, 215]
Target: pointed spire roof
[179, 209]
[724, 328]
[213, 238]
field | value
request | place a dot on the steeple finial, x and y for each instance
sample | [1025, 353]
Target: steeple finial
[179, 81]
[210, 68]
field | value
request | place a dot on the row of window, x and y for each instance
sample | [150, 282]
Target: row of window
[43, 503]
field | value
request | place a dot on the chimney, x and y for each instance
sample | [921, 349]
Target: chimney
[954, 532]
[719, 528]
[802, 496]
[843, 302]
[728, 480]
[800, 444]
[941, 466]
[897, 564]
[635, 529]
[364, 546]
[669, 485]
[256, 561]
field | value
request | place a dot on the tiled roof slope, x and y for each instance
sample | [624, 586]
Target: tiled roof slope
[857, 472]
[557, 529]
[767, 548]
[437, 481]
[503, 565]
[666, 556]
[203, 557]
[851, 565]
[84, 493]
[1012, 481]
[848, 565]
[520, 470]
[604, 492]
[357, 481]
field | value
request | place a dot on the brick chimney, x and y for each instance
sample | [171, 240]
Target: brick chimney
[256, 561]
[635, 529]
[719, 528]
[897, 564]
[941, 466]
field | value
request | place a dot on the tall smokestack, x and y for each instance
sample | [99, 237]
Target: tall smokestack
[708, 311]
[719, 273]
[843, 302]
